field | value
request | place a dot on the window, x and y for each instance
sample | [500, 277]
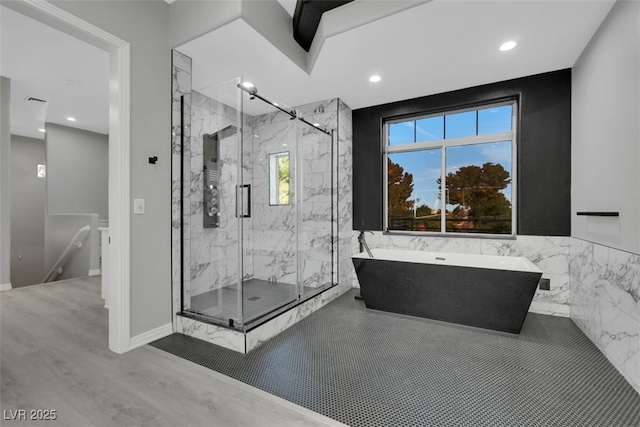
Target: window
[452, 172]
[279, 179]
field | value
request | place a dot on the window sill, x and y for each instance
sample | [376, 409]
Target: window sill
[451, 235]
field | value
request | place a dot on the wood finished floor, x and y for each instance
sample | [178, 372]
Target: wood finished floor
[54, 355]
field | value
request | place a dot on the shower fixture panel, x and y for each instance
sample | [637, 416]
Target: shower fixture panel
[212, 173]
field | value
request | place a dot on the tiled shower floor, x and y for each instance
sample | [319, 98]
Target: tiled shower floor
[370, 368]
[260, 297]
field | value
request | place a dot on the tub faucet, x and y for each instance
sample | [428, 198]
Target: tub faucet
[363, 243]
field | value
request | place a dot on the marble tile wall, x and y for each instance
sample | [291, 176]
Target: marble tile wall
[344, 161]
[605, 303]
[181, 86]
[224, 337]
[550, 254]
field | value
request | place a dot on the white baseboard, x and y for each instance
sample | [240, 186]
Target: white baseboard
[95, 272]
[5, 287]
[150, 336]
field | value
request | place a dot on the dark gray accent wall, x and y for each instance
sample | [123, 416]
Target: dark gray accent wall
[27, 211]
[77, 171]
[543, 149]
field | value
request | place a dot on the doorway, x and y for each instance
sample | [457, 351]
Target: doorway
[119, 155]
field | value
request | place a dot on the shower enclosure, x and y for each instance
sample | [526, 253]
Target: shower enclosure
[258, 205]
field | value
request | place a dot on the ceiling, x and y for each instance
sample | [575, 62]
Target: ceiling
[42, 62]
[289, 5]
[431, 48]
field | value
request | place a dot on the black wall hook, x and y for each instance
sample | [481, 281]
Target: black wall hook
[153, 160]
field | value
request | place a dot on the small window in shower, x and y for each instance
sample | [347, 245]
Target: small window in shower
[279, 179]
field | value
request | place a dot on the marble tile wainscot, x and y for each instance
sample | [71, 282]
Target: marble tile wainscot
[605, 303]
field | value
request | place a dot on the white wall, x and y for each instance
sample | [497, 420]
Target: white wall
[27, 211]
[605, 252]
[145, 25]
[5, 184]
[77, 171]
[606, 132]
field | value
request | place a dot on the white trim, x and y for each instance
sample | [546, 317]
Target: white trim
[95, 272]
[119, 191]
[119, 162]
[5, 287]
[150, 336]
[453, 142]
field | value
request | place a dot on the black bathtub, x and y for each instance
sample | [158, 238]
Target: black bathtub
[485, 291]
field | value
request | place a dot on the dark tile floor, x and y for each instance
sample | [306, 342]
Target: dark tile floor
[371, 368]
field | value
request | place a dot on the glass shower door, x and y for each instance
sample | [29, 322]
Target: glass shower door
[269, 177]
[214, 230]
[316, 209]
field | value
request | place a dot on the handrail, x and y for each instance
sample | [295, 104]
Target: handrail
[74, 245]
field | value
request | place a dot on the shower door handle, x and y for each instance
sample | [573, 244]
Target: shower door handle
[248, 214]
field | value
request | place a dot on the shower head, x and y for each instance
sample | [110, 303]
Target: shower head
[226, 132]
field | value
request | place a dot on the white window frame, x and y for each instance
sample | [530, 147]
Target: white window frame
[443, 144]
[274, 181]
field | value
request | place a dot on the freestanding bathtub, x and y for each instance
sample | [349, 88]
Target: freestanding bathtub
[485, 291]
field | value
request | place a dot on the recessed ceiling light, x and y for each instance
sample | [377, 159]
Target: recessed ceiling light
[316, 124]
[248, 85]
[42, 130]
[275, 103]
[375, 78]
[508, 45]
[71, 119]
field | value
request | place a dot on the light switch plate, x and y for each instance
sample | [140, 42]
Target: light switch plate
[138, 206]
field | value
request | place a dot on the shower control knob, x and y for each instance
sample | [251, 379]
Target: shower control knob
[213, 191]
[210, 213]
[214, 202]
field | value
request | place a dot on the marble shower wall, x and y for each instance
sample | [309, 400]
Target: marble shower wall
[605, 303]
[214, 251]
[345, 201]
[549, 254]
